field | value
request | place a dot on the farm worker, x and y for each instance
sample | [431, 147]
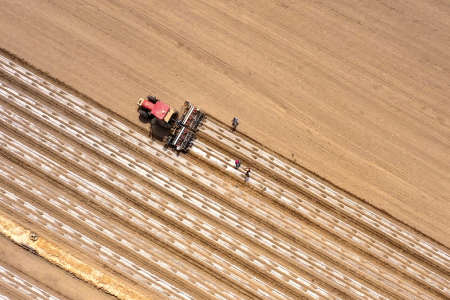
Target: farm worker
[247, 174]
[237, 163]
[234, 124]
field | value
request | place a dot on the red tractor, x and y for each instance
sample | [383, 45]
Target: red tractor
[159, 112]
[177, 132]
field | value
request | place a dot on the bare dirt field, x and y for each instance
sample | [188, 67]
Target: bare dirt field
[344, 115]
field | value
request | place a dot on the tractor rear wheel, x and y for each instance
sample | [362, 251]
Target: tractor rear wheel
[152, 99]
[143, 113]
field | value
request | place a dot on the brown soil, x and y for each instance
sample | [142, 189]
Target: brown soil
[353, 92]
[45, 275]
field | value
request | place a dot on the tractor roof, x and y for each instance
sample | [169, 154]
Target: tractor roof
[147, 104]
[160, 110]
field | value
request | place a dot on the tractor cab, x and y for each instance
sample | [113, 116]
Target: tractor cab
[180, 132]
[152, 108]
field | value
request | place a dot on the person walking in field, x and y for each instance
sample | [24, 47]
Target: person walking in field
[247, 173]
[234, 124]
[237, 163]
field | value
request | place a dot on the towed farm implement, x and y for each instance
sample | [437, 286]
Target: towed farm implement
[175, 129]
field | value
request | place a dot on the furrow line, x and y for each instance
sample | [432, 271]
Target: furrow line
[75, 237]
[90, 189]
[357, 237]
[342, 203]
[124, 237]
[327, 221]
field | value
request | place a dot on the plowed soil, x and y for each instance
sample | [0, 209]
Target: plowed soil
[350, 98]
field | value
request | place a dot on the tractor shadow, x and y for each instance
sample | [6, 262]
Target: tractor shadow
[144, 120]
